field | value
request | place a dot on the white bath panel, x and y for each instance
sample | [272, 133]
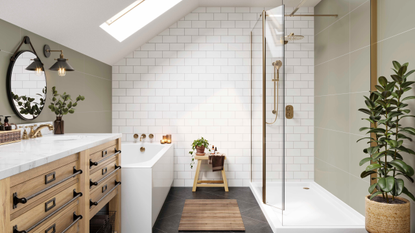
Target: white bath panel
[313, 210]
[146, 180]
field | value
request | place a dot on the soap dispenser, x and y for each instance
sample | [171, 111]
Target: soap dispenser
[7, 126]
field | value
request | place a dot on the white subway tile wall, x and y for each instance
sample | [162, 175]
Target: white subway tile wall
[194, 80]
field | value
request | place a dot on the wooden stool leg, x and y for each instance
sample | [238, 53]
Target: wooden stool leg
[199, 162]
[225, 181]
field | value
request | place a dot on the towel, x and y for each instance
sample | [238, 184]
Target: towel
[217, 162]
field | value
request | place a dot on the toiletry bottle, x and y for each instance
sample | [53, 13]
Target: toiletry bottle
[213, 150]
[7, 126]
[1, 124]
[216, 150]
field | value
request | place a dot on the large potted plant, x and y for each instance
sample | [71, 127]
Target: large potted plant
[199, 145]
[61, 105]
[386, 210]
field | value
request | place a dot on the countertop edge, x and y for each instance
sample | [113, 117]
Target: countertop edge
[8, 172]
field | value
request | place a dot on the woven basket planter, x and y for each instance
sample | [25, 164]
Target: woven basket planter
[386, 218]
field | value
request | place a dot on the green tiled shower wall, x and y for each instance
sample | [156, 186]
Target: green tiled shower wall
[342, 77]
[91, 79]
[342, 69]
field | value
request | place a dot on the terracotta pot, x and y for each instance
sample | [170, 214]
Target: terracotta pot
[200, 149]
[58, 126]
[386, 218]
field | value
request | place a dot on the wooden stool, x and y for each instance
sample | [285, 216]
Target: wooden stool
[208, 183]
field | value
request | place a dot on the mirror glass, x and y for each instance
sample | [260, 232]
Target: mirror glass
[27, 88]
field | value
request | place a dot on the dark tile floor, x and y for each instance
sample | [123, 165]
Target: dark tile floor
[171, 212]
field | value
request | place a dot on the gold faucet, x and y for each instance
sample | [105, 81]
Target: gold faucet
[37, 130]
[142, 137]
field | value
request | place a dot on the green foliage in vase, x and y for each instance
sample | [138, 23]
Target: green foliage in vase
[28, 105]
[197, 143]
[63, 104]
[386, 107]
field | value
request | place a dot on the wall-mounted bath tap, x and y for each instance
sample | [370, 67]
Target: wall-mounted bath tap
[277, 65]
[143, 136]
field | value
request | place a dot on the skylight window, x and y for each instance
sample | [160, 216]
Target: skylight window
[136, 16]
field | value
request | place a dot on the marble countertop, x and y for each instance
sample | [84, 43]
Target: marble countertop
[27, 154]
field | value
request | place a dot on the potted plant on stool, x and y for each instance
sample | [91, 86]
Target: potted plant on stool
[386, 211]
[199, 145]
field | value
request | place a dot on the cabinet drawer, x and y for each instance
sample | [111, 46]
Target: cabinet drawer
[58, 220]
[103, 149]
[65, 222]
[103, 171]
[98, 191]
[25, 193]
[44, 207]
[100, 157]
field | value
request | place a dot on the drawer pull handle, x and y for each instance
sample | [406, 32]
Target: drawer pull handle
[47, 207]
[91, 183]
[24, 200]
[104, 188]
[92, 163]
[75, 196]
[51, 229]
[104, 153]
[104, 171]
[76, 219]
[92, 203]
[53, 174]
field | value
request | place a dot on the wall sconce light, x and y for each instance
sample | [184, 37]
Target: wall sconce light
[61, 65]
[37, 66]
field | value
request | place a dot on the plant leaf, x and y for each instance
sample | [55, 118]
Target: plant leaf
[366, 173]
[383, 81]
[396, 65]
[399, 185]
[373, 167]
[409, 194]
[365, 160]
[372, 187]
[375, 194]
[386, 184]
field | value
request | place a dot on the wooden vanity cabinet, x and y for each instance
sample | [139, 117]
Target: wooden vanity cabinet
[63, 195]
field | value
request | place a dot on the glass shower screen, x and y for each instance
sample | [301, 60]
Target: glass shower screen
[275, 108]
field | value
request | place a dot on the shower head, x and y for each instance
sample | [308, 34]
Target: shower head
[292, 37]
[277, 64]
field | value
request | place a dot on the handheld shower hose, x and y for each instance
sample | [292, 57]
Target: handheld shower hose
[277, 65]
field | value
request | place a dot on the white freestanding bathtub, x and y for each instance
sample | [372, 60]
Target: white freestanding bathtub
[146, 180]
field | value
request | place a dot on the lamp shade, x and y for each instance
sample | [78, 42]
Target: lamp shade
[61, 64]
[35, 65]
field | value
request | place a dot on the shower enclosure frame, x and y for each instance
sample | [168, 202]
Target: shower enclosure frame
[264, 103]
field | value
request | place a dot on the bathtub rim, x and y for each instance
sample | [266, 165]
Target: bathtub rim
[150, 162]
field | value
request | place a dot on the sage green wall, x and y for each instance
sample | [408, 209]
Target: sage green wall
[91, 78]
[396, 41]
[342, 75]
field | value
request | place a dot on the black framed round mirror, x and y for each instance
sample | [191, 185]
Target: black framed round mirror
[26, 85]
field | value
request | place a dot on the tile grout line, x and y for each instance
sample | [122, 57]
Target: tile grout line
[341, 17]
